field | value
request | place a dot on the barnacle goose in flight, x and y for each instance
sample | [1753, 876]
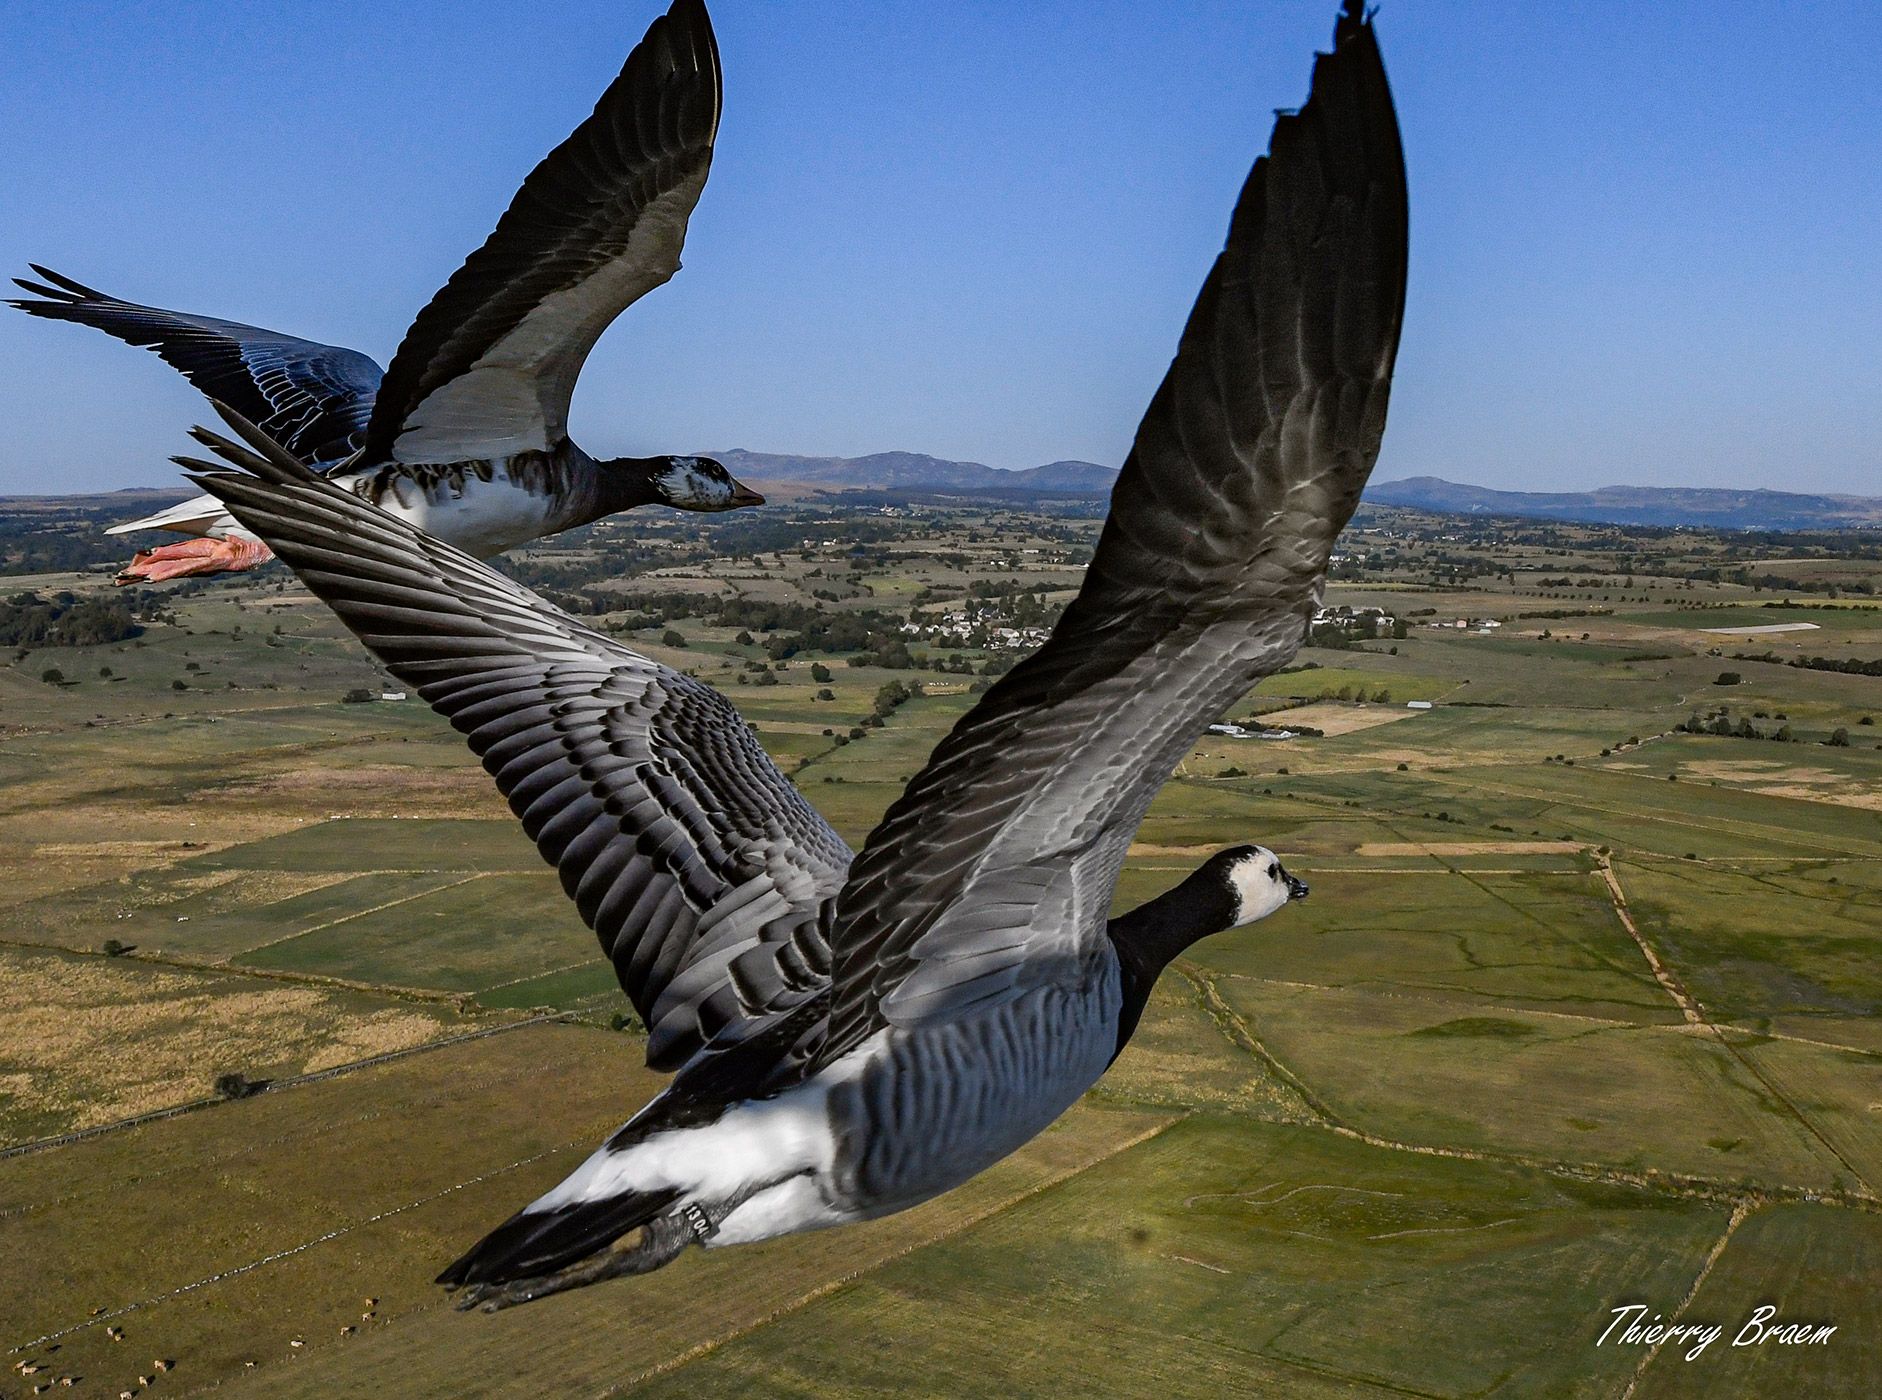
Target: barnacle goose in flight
[850, 1036]
[466, 435]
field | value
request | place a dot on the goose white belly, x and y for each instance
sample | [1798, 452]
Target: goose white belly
[480, 515]
[904, 1117]
[483, 508]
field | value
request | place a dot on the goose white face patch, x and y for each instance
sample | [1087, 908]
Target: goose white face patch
[695, 483]
[1261, 886]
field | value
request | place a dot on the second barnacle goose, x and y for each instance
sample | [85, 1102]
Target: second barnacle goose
[466, 434]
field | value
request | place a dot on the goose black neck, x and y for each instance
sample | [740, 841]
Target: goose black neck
[626, 482]
[1150, 937]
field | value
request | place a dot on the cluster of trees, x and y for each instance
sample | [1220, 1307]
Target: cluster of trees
[1640, 554]
[63, 620]
[869, 636]
[1380, 696]
[557, 578]
[68, 543]
[1021, 604]
[788, 628]
[1846, 665]
[1305, 731]
[1808, 607]
[782, 629]
[1831, 588]
[866, 637]
[1721, 724]
[742, 533]
[890, 698]
[621, 549]
[1342, 634]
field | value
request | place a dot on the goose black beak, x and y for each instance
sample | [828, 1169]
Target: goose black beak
[743, 495]
[1296, 889]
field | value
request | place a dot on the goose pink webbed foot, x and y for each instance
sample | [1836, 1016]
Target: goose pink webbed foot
[189, 558]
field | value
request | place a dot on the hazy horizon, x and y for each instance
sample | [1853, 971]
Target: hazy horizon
[1642, 237]
[1379, 478]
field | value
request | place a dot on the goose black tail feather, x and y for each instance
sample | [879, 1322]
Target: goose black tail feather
[532, 1243]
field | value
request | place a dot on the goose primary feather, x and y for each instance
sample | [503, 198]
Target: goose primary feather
[851, 1036]
[465, 433]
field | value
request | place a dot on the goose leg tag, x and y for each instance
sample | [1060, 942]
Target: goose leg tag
[703, 1226]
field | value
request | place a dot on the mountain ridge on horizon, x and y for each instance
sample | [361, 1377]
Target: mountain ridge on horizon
[1717, 506]
[1712, 506]
[1720, 507]
[915, 470]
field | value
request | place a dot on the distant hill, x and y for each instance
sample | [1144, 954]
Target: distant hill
[915, 471]
[1713, 507]
[1637, 505]
[1610, 505]
[131, 500]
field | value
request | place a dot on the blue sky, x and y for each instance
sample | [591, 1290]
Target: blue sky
[1644, 236]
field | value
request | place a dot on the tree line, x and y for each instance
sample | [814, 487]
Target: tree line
[65, 620]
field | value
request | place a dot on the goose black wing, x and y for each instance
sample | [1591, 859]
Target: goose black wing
[313, 399]
[702, 870]
[1000, 859]
[489, 366]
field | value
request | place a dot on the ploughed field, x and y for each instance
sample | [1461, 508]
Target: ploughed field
[1582, 1012]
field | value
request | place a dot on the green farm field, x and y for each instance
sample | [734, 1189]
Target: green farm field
[1582, 1012]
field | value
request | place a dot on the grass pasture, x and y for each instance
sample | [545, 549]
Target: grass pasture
[1823, 1269]
[315, 1206]
[86, 1041]
[481, 932]
[1763, 947]
[1537, 941]
[1272, 1260]
[1536, 1086]
[1552, 1034]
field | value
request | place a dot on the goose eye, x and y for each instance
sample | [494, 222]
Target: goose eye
[1274, 872]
